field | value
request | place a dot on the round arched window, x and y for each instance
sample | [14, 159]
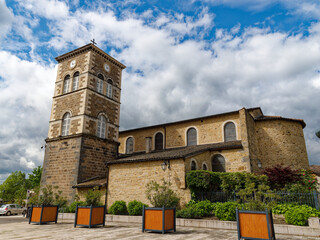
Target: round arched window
[218, 163]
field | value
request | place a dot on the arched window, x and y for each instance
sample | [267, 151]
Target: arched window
[66, 84]
[218, 163]
[109, 88]
[75, 82]
[65, 124]
[102, 123]
[193, 165]
[204, 166]
[129, 145]
[191, 137]
[230, 132]
[100, 83]
[158, 141]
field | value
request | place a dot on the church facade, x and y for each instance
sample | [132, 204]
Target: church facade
[85, 148]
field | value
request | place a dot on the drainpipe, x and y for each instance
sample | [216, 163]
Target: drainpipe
[165, 137]
[107, 181]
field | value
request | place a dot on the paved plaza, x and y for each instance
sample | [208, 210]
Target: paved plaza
[17, 227]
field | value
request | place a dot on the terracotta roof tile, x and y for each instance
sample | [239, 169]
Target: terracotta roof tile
[175, 153]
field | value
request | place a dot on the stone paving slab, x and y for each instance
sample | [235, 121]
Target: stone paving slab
[114, 230]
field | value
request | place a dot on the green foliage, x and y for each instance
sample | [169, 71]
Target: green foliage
[14, 188]
[227, 211]
[161, 195]
[93, 197]
[296, 214]
[307, 182]
[52, 196]
[202, 180]
[197, 209]
[35, 177]
[135, 208]
[118, 208]
[282, 208]
[73, 206]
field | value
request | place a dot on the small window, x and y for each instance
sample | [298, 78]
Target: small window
[191, 137]
[193, 165]
[75, 83]
[100, 83]
[204, 166]
[158, 141]
[230, 132]
[109, 88]
[129, 145]
[65, 124]
[102, 123]
[218, 163]
[66, 84]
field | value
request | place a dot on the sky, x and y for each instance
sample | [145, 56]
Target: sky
[184, 58]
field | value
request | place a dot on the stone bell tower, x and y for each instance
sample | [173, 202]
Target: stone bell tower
[84, 123]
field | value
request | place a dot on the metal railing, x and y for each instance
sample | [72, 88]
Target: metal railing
[311, 199]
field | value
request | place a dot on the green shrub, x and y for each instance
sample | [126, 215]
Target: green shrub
[93, 197]
[135, 208]
[190, 212]
[297, 217]
[161, 195]
[227, 211]
[73, 206]
[282, 208]
[299, 214]
[118, 208]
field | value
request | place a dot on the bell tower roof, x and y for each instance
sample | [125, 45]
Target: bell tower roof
[86, 48]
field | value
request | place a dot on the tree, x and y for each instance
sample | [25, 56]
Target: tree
[35, 177]
[14, 188]
[318, 134]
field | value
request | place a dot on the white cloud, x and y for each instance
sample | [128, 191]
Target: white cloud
[25, 101]
[50, 9]
[6, 18]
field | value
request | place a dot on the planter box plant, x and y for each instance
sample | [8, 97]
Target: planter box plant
[255, 225]
[162, 217]
[45, 206]
[44, 214]
[159, 219]
[90, 216]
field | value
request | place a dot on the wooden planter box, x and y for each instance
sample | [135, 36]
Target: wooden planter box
[255, 225]
[90, 216]
[44, 214]
[159, 219]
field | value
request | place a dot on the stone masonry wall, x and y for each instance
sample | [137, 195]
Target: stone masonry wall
[60, 167]
[210, 130]
[128, 181]
[95, 152]
[281, 142]
[233, 159]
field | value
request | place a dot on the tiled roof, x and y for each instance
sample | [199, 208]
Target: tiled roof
[187, 120]
[266, 118]
[175, 153]
[93, 182]
[315, 169]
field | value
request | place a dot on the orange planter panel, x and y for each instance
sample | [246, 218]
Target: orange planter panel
[169, 219]
[83, 216]
[97, 216]
[49, 214]
[253, 225]
[35, 215]
[153, 219]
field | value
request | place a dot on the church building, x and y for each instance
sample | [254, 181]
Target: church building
[85, 148]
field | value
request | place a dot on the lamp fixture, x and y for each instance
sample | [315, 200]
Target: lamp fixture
[165, 165]
[259, 164]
